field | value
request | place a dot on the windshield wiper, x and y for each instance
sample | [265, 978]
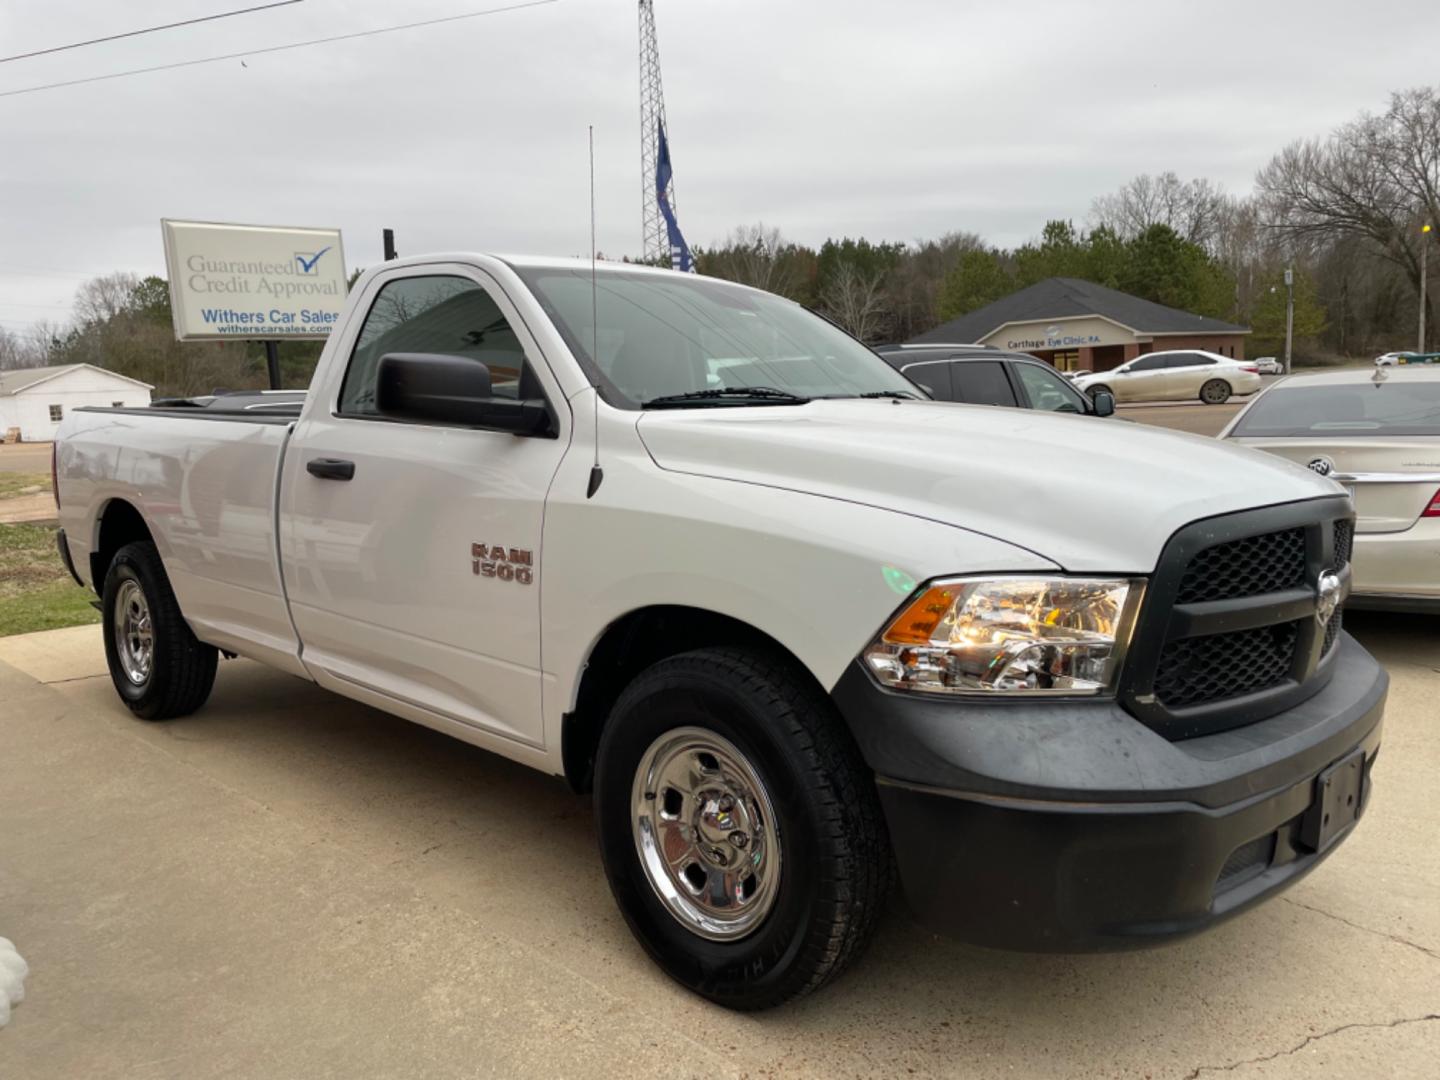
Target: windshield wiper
[889, 394]
[766, 395]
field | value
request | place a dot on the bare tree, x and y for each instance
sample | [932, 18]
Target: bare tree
[913, 286]
[102, 298]
[757, 255]
[1375, 180]
[856, 300]
[41, 341]
[12, 351]
[1192, 208]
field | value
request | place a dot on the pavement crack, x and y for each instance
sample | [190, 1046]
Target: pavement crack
[1366, 929]
[1195, 1073]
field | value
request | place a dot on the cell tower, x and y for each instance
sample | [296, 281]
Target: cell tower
[655, 246]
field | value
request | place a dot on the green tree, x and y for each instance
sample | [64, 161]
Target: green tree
[1061, 252]
[1268, 323]
[150, 299]
[1106, 258]
[861, 256]
[976, 280]
[1164, 267]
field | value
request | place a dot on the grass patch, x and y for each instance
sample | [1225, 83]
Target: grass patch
[14, 484]
[36, 591]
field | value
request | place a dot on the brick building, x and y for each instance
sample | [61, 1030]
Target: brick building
[1080, 326]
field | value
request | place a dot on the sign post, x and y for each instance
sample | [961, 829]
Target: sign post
[1289, 315]
[254, 283]
[272, 363]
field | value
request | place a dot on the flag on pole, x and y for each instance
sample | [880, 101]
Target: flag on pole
[680, 258]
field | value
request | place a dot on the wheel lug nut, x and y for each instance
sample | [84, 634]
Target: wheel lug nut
[739, 839]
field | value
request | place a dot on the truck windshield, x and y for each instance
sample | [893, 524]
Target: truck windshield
[652, 336]
[1362, 408]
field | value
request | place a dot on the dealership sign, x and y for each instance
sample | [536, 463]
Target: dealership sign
[248, 281]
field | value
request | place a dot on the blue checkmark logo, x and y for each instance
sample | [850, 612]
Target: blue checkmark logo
[307, 266]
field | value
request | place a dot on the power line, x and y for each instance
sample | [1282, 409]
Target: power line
[280, 48]
[147, 30]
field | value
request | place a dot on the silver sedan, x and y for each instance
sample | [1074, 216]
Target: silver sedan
[1378, 434]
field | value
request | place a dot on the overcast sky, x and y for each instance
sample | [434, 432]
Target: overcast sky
[893, 120]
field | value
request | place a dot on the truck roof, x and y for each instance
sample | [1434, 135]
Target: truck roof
[528, 262]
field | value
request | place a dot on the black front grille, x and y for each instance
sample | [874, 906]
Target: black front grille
[1344, 544]
[1246, 567]
[1228, 634]
[1200, 669]
[1332, 631]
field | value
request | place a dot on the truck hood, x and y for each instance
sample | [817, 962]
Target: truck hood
[1086, 493]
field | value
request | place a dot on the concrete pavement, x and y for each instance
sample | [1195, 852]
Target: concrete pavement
[288, 884]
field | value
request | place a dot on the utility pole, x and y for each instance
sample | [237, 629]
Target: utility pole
[1424, 294]
[1289, 315]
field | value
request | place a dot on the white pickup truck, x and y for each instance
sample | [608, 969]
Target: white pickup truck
[688, 545]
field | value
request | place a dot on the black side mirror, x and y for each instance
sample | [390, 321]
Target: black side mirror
[439, 389]
[1103, 402]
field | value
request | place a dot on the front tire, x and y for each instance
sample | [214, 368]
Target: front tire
[1101, 388]
[159, 668]
[1215, 392]
[739, 828]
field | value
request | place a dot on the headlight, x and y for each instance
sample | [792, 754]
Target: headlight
[1025, 635]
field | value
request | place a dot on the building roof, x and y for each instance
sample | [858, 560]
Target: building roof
[12, 382]
[1070, 298]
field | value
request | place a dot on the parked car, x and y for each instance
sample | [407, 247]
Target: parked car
[1390, 359]
[1179, 375]
[794, 632]
[993, 377]
[1269, 365]
[1377, 435]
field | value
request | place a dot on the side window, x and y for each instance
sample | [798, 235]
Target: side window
[1200, 359]
[439, 314]
[1046, 390]
[935, 378]
[1148, 363]
[981, 382]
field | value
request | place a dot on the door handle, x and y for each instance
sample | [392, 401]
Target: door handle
[330, 468]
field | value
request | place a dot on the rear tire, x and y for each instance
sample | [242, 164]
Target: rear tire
[1215, 392]
[759, 736]
[159, 668]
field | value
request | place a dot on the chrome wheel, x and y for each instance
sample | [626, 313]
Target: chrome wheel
[705, 832]
[134, 634]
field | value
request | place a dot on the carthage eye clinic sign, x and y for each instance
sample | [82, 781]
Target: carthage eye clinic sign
[252, 281]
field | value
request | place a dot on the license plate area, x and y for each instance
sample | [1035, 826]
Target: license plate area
[1339, 795]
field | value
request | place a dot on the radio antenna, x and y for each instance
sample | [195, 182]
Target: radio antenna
[596, 473]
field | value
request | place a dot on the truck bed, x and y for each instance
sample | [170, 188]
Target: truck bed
[205, 479]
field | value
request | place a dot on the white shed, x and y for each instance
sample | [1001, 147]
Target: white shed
[35, 400]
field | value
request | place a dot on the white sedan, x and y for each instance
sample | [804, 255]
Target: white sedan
[1378, 434]
[1178, 375]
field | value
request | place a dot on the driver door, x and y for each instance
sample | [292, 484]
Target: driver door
[1144, 380]
[412, 550]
